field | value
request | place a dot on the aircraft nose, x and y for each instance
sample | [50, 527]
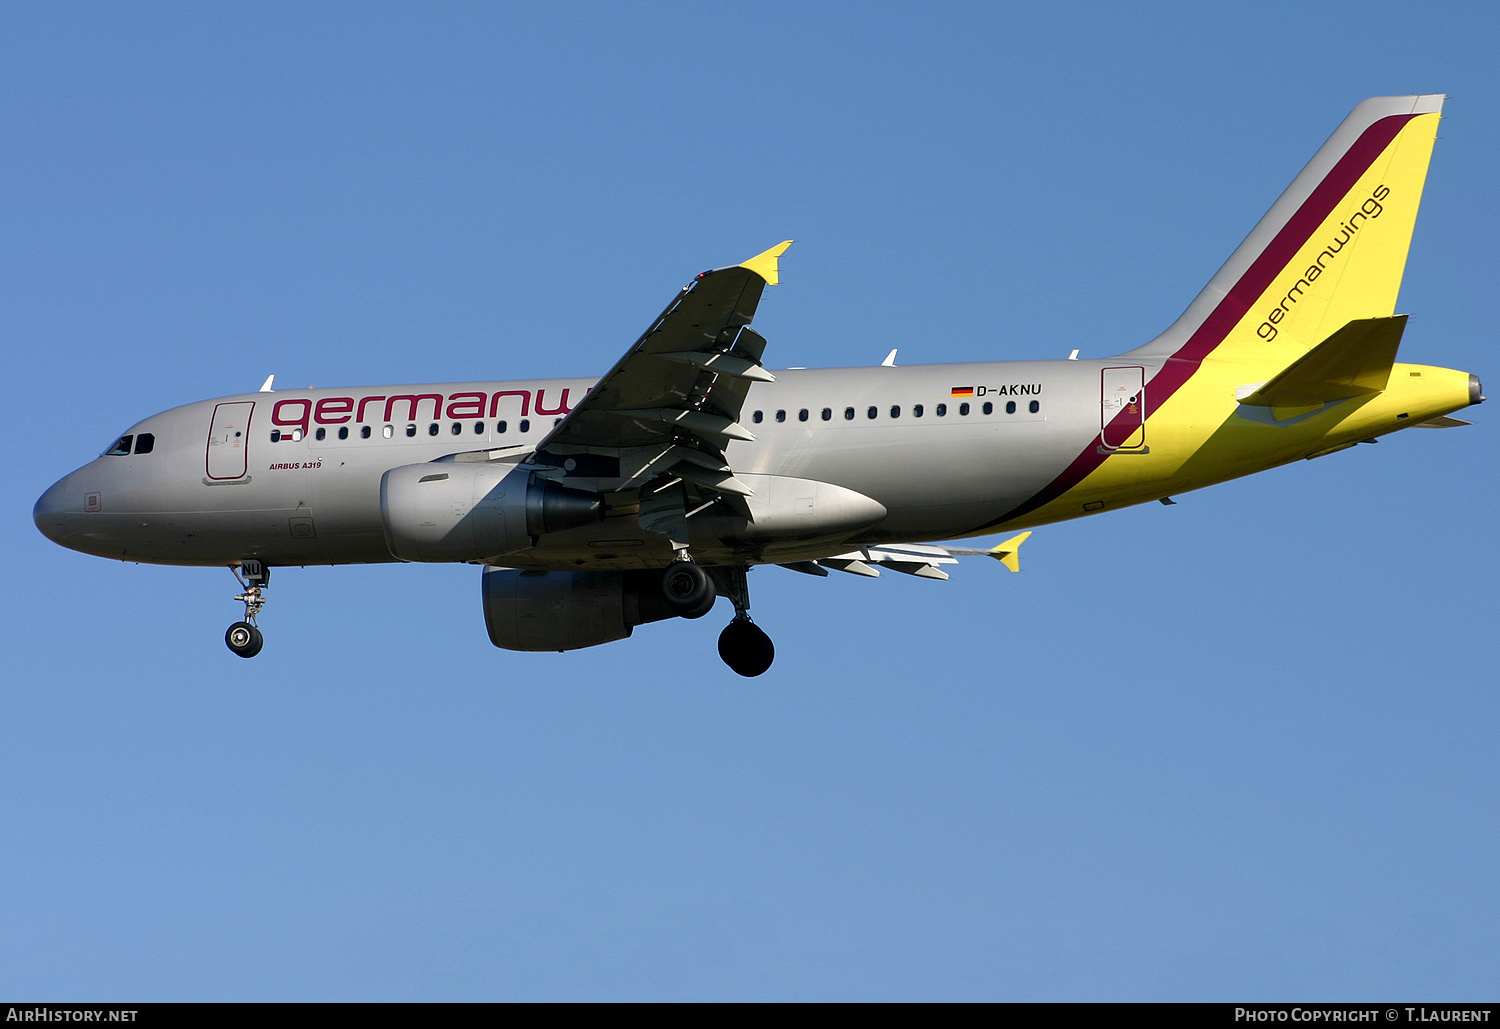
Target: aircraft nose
[51, 512]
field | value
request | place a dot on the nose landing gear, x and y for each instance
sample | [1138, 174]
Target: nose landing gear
[244, 638]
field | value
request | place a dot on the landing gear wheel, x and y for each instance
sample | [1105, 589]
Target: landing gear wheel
[244, 639]
[688, 589]
[746, 648]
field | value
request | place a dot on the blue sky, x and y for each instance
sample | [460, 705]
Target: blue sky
[1240, 748]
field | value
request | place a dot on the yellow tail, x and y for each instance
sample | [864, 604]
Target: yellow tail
[1331, 250]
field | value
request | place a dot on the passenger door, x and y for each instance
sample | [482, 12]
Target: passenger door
[1122, 412]
[228, 436]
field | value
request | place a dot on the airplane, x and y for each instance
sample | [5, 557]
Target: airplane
[597, 505]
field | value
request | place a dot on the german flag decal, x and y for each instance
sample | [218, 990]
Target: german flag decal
[963, 391]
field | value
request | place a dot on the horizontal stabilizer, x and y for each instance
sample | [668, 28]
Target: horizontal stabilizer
[1442, 421]
[1354, 362]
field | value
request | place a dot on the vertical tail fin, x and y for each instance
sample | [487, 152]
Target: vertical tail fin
[1329, 251]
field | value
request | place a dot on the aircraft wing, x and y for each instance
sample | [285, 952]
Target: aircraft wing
[919, 559]
[672, 403]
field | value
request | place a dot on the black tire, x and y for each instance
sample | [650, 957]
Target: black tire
[688, 589]
[244, 639]
[746, 648]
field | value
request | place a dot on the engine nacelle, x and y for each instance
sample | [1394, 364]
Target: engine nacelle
[534, 610]
[470, 511]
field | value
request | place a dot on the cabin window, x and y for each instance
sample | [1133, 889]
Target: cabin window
[525, 425]
[1034, 406]
[479, 428]
[411, 430]
[556, 422]
[916, 410]
[940, 410]
[1010, 407]
[895, 411]
[872, 412]
[432, 430]
[343, 432]
[275, 437]
[500, 427]
[320, 433]
[963, 408]
[989, 408]
[802, 415]
[827, 413]
[781, 416]
[122, 446]
[364, 432]
[388, 431]
[848, 414]
[145, 443]
[457, 428]
[758, 417]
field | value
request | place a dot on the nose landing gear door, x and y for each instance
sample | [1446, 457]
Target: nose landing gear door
[1122, 411]
[228, 436]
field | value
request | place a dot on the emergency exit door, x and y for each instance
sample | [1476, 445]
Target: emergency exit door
[1122, 411]
[227, 437]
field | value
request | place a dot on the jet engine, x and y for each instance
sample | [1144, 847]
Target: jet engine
[536, 610]
[470, 511]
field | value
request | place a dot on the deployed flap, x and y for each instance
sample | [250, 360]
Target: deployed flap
[1354, 362]
[920, 559]
[675, 397]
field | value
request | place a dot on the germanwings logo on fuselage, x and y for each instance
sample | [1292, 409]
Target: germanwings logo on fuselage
[303, 412]
[1370, 209]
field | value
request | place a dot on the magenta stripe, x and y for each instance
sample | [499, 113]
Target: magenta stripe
[1181, 366]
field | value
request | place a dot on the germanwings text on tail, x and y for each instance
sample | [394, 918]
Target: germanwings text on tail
[596, 505]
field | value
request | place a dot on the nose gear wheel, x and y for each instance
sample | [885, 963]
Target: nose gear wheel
[244, 637]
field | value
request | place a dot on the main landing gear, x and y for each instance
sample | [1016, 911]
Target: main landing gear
[244, 637]
[743, 645]
[690, 590]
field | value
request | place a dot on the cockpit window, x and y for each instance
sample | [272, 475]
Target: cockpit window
[145, 443]
[122, 446]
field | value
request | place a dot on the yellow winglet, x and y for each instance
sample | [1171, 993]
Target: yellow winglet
[764, 264]
[1008, 553]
